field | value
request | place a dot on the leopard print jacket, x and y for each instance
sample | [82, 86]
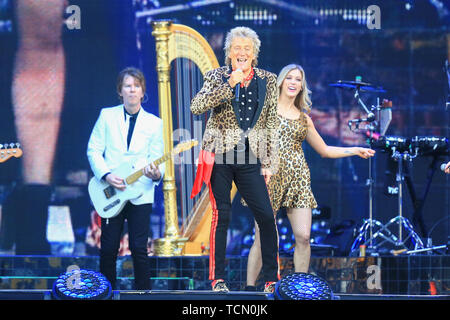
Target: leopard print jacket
[222, 131]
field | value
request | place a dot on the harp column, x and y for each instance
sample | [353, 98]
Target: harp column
[170, 244]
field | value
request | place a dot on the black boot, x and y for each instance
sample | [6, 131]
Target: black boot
[31, 222]
[251, 288]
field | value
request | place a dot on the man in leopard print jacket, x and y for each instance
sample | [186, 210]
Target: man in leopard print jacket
[239, 145]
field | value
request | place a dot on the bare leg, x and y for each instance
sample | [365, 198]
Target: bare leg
[254, 263]
[37, 97]
[38, 85]
[300, 220]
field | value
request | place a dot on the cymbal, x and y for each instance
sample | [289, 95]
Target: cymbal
[362, 86]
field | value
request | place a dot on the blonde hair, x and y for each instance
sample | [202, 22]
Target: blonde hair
[242, 32]
[302, 100]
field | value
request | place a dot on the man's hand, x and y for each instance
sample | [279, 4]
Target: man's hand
[152, 172]
[115, 181]
[236, 77]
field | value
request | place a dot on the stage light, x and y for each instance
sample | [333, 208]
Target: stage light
[284, 230]
[303, 286]
[79, 284]
[248, 239]
[287, 246]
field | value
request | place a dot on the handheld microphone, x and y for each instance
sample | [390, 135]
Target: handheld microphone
[237, 89]
[443, 166]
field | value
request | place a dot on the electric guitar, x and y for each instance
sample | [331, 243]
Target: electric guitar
[109, 201]
[8, 151]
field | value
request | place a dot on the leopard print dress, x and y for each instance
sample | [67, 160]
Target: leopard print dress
[290, 186]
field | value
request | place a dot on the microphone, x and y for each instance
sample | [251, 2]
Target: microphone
[237, 88]
[443, 166]
[370, 118]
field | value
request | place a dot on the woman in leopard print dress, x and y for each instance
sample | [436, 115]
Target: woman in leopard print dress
[290, 186]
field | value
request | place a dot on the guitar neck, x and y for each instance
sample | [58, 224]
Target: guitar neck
[136, 175]
[178, 149]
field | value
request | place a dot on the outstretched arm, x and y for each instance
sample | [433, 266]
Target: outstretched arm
[326, 151]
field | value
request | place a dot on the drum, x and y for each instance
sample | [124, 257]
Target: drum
[391, 143]
[430, 145]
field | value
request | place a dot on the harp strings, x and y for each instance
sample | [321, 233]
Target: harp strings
[188, 81]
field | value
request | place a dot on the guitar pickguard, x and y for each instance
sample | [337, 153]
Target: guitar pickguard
[109, 192]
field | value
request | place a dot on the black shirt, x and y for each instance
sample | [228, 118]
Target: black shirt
[133, 118]
[248, 103]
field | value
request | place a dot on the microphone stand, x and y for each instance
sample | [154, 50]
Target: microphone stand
[368, 225]
[360, 102]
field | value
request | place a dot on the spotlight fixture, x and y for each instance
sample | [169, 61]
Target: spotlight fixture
[81, 285]
[303, 286]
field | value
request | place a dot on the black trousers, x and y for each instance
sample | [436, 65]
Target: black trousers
[138, 218]
[251, 185]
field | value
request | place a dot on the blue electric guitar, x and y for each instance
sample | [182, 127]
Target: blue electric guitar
[109, 201]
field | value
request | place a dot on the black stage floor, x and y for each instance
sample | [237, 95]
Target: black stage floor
[205, 295]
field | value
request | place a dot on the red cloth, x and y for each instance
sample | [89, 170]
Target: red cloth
[204, 170]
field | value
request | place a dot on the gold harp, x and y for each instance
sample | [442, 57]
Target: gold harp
[184, 50]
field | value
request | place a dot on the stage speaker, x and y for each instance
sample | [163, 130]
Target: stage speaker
[79, 284]
[303, 286]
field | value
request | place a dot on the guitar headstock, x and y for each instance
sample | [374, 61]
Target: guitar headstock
[9, 150]
[186, 145]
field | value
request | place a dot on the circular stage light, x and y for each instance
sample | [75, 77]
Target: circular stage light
[81, 285]
[302, 286]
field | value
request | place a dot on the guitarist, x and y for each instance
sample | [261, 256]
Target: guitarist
[127, 133]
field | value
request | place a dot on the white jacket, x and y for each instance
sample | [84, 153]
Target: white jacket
[107, 146]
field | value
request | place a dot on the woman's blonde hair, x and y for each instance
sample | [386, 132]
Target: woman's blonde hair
[303, 100]
[242, 32]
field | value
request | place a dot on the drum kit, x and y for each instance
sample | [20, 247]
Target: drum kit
[397, 235]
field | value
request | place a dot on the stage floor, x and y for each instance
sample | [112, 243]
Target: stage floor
[400, 277]
[205, 295]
